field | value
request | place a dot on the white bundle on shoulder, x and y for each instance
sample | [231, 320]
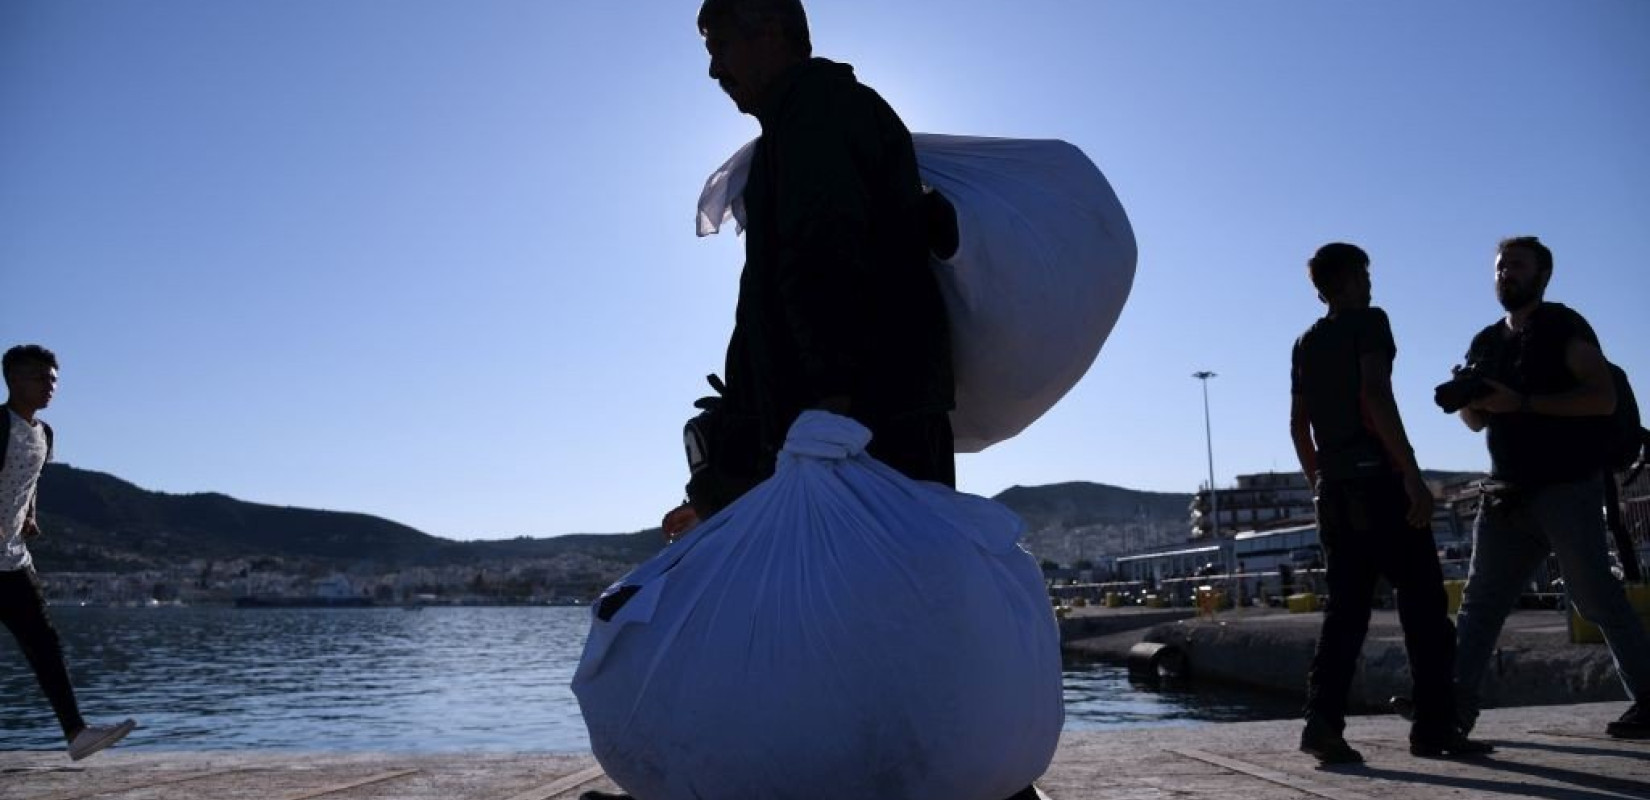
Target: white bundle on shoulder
[841, 631]
[1045, 261]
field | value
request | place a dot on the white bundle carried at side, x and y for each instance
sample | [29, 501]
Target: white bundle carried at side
[1045, 261]
[841, 631]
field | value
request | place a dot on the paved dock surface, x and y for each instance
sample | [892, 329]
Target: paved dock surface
[1550, 752]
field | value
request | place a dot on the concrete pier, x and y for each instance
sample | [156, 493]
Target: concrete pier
[1534, 662]
[1553, 753]
[1551, 746]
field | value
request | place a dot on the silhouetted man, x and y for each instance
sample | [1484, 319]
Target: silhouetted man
[838, 306]
[1550, 394]
[1374, 513]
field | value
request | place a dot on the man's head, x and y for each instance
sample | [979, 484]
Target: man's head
[1523, 266]
[31, 377]
[1340, 272]
[751, 42]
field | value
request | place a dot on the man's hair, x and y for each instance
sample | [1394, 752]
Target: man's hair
[1532, 245]
[27, 354]
[747, 16]
[1334, 264]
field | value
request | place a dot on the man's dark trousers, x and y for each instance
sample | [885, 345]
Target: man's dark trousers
[1365, 537]
[23, 609]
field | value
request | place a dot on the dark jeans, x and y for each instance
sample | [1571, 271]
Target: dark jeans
[1365, 537]
[23, 609]
[1514, 533]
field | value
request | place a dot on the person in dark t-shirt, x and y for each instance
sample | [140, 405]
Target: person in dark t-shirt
[1547, 413]
[1374, 513]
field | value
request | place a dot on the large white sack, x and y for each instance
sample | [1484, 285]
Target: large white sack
[1045, 262]
[841, 631]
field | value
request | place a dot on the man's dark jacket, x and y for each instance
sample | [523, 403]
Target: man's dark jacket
[837, 295]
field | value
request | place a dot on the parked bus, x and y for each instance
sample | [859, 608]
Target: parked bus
[1263, 551]
[1183, 563]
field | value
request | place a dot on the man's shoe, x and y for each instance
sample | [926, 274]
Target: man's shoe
[96, 737]
[1635, 724]
[1405, 707]
[1453, 746]
[1327, 747]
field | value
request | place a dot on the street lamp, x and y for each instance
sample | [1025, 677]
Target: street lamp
[1214, 497]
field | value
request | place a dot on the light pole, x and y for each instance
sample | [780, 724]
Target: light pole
[1208, 437]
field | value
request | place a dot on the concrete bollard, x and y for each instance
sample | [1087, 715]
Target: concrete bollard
[1152, 661]
[1453, 589]
[1584, 632]
[1209, 601]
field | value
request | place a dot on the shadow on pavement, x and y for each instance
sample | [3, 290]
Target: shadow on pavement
[1582, 785]
[1639, 754]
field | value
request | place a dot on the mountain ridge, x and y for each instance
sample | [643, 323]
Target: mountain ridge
[94, 521]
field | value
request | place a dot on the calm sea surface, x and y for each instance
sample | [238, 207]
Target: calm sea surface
[439, 679]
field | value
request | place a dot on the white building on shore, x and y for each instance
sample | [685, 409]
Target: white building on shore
[1259, 501]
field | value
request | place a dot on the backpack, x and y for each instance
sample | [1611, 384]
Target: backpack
[1625, 441]
[1627, 437]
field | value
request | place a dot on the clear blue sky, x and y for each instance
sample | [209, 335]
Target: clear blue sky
[435, 260]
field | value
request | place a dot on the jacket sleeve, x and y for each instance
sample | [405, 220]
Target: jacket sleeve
[823, 213]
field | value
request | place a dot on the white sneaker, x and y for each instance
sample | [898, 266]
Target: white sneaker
[97, 737]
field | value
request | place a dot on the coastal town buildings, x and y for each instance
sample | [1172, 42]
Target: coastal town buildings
[1259, 501]
[564, 580]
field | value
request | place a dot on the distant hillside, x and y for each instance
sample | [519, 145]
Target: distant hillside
[632, 548]
[1070, 522]
[97, 522]
[1076, 504]
[91, 516]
